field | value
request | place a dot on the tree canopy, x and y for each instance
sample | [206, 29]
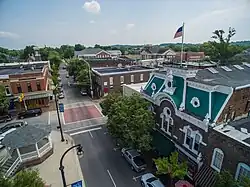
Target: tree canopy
[171, 167]
[24, 178]
[129, 120]
[4, 101]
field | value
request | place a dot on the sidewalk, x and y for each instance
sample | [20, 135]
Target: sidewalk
[49, 169]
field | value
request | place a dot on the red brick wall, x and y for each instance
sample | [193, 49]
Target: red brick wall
[190, 56]
[237, 103]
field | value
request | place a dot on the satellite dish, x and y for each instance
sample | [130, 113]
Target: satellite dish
[119, 65]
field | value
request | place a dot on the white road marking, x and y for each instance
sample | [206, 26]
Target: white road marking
[81, 132]
[82, 120]
[81, 105]
[91, 134]
[63, 120]
[135, 178]
[99, 111]
[85, 127]
[49, 119]
[111, 178]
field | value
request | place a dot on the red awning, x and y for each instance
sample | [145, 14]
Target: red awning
[183, 183]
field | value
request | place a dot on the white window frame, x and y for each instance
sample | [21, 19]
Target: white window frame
[168, 119]
[111, 81]
[239, 166]
[217, 150]
[141, 77]
[192, 136]
[122, 79]
[132, 78]
[7, 87]
[105, 83]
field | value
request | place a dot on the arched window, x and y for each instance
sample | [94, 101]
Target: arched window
[189, 140]
[217, 159]
[167, 121]
[243, 170]
[197, 141]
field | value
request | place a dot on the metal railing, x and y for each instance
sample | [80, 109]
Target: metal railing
[13, 167]
[44, 148]
[28, 156]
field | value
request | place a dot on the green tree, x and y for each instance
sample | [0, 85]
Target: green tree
[245, 182]
[130, 122]
[4, 101]
[67, 51]
[24, 178]
[171, 167]
[28, 50]
[83, 76]
[225, 179]
[79, 47]
[54, 58]
[108, 101]
[222, 43]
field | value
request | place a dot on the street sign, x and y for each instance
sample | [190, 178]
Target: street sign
[77, 184]
[61, 107]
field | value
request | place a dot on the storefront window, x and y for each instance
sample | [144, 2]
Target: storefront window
[29, 87]
[19, 89]
[38, 85]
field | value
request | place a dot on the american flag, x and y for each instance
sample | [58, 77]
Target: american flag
[179, 32]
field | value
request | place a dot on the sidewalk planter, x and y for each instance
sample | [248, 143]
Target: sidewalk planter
[27, 146]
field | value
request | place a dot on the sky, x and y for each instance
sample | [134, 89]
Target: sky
[108, 22]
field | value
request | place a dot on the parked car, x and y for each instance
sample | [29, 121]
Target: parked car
[15, 124]
[61, 95]
[29, 113]
[134, 159]
[67, 76]
[149, 180]
[5, 118]
[83, 92]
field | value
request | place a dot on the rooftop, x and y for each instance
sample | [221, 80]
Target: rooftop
[239, 130]
[137, 87]
[233, 75]
[26, 135]
[117, 70]
[20, 69]
[88, 51]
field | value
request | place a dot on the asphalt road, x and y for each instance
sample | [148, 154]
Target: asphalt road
[102, 165]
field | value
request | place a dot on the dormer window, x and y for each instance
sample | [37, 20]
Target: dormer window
[169, 83]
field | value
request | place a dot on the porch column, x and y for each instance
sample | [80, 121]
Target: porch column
[18, 153]
[37, 150]
[210, 105]
[182, 106]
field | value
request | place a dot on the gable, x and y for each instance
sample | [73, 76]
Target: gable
[101, 53]
[169, 52]
[144, 52]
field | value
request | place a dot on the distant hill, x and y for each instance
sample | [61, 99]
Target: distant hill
[240, 43]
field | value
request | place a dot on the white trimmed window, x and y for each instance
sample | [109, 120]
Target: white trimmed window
[110, 80]
[7, 90]
[243, 170]
[122, 79]
[167, 121]
[217, 159]
[132, 78]
[192, 140]
[197, 141]
[189, 139]
[141, 77]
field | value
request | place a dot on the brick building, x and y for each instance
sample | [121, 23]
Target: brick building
[112, 78]
[31, 79]
[203, 114]
[110, 62]
[190, 56]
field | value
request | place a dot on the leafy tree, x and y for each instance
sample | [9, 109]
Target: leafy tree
[171, 167]
[225, 179]
[79, 47]
[28, 50]
[130, 122]
[245, 182]
[4, 101]
[67, 51]
[222, 43]
[24, 178]
[83, 78]
[54, 58]
[97, 46]
[108, 101]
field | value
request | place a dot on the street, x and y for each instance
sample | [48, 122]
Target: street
[102, 164]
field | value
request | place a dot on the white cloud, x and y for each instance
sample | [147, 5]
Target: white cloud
[10, 35]
[91, 21]
[130, 26]
[92, 7]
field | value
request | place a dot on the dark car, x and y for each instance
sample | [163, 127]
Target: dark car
[30, 113]
[5, 118]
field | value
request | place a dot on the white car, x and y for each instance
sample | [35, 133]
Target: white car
[83, 93]
[149, 180]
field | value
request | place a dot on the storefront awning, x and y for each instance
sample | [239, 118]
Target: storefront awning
[205, 177]
[34, 95]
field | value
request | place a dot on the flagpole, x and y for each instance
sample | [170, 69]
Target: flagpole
[182, 39]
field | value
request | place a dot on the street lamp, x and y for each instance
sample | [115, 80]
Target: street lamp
[61, 168]
[58, 116]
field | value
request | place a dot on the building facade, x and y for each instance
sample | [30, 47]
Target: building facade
[112, 78]
[190, 56]
[189, 105]
[110, 62]
[93, 53]
[31, 80]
